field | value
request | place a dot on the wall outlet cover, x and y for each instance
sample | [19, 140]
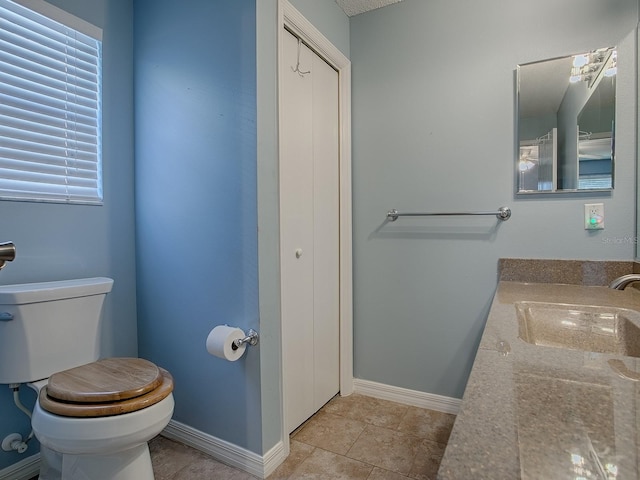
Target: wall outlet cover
[594, 216]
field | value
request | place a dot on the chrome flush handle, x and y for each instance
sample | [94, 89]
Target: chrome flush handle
[7, 253]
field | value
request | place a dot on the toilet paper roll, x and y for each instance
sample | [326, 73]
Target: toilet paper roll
[220, 342]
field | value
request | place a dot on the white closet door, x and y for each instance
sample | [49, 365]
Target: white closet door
[309, 208]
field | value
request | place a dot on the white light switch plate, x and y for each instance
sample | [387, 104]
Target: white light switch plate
[594, 216]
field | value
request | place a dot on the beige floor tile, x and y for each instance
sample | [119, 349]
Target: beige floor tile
[373, 411]
[298, 453]
[380, 440]
[344, 406]
[427, 424]
[323, 465]
[427, 461]
[168, 457]
[175, 461]
[330, 432]
[203, 466]
[386, 448]
[381, 474]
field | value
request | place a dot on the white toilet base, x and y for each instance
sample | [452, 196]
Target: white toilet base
[100, 448]
[132, 464]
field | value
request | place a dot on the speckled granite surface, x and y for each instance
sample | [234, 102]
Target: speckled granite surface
[540, 412]
[575, 272]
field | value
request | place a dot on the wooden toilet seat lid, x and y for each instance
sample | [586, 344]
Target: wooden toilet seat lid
[106, 380]
[105, 409]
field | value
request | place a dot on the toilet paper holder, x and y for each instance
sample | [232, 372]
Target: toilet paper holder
[251, 338]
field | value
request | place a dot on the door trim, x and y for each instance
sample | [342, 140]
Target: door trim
[293, 20]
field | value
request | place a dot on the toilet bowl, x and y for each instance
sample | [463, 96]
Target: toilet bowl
[93, 417]
[103, 421]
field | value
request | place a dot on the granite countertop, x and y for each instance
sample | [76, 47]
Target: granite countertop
[541, 412]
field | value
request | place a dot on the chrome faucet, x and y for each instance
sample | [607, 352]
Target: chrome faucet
[620, 283]
[7, 253]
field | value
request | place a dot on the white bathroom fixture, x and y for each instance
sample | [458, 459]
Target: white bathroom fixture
[93, 418]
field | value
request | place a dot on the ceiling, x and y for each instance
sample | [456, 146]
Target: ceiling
[356, 7]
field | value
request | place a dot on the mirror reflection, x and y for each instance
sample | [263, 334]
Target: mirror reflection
[566, 123]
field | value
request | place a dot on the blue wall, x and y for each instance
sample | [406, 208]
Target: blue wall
[196, 230]
[195, 81]
[56, 241]
[433, 130]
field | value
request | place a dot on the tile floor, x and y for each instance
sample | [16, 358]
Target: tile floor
[354, 437]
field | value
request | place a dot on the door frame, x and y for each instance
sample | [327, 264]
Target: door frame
[289, 17]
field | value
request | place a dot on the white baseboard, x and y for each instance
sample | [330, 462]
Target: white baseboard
[226, 452]
[405, 396]
[22, 470]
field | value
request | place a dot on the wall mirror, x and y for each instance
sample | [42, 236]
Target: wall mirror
[566, 123]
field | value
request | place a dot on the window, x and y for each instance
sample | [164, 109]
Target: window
[50, 105]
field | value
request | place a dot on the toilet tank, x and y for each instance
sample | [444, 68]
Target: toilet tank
[49, 327]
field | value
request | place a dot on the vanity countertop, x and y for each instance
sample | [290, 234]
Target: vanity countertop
[537, 412]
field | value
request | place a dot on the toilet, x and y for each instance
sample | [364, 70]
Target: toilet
[93, 417]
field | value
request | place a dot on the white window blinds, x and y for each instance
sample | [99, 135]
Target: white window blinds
[50, 92]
